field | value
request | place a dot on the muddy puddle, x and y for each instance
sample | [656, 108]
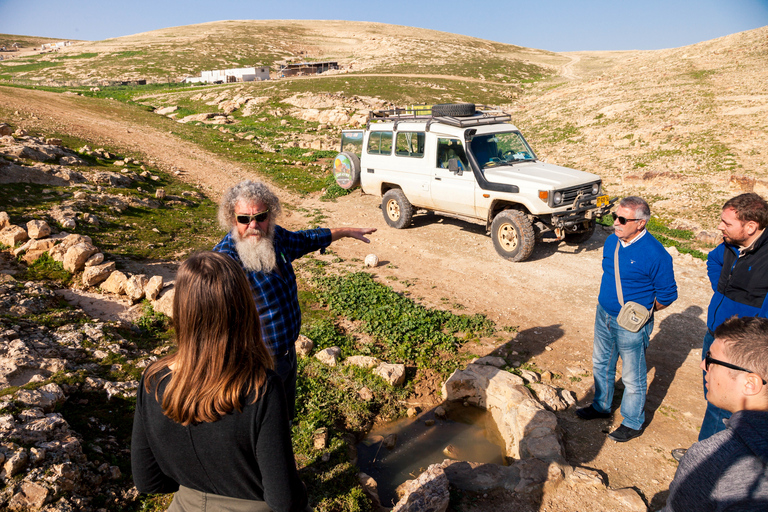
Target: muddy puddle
[466, 433]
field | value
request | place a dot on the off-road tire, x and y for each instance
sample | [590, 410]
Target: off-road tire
[512, 235]
[396, 208]
[343, 179]
[580, 238]
[454, 109]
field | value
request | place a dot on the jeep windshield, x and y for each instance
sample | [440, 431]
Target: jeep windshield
[506, 148]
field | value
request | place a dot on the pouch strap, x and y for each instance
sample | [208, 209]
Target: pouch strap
[616, 273]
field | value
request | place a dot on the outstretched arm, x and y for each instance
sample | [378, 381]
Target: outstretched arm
[358, 233]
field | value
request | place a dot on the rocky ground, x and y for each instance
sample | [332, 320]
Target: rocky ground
[685, 128]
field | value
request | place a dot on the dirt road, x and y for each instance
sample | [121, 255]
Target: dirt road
[551, 297]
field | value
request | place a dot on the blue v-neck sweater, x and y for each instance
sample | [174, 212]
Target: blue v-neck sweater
[646, 274]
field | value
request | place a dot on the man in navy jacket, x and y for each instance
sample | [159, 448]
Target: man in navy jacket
[738, 272]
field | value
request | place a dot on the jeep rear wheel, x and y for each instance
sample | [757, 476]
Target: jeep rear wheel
[512, 235]
[396, 208]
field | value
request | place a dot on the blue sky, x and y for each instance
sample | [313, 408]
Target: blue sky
[556, 25]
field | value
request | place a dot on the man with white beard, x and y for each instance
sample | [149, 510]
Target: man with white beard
[266, 252]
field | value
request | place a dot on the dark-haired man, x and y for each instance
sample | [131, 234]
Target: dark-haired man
[738, 272]
[266, 251]
[729, 470]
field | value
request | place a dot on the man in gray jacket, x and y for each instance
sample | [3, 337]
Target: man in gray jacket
[729, 471]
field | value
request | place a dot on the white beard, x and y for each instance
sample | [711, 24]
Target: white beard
[257, 255]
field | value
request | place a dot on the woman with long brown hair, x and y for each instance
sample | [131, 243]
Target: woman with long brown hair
[211, 420]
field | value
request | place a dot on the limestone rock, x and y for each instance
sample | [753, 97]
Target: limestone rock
[77, 255]
[45, 397]
[38, 229]
[5, 129]
[549, 396]
[134, 287]
[153, 287]
[363, 361]
[429, 492]
[5, 220]
[304, 346]
[115, 283]
[31, 496]
[498, 362]
[365, 394]
[164, 303]
[370, 488]
[393, 374]
[15, 463]
[94, 260]
[329, 356]
[10, 235]
[95, 274]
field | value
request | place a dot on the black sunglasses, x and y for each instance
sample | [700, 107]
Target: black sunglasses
[622, 220]
[708, 360]
[246, 219]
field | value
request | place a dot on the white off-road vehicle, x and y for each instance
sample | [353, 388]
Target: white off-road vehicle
[470, 163]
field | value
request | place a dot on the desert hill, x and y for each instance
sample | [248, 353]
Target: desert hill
[172, 53]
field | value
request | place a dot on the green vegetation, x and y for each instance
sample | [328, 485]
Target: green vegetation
[405, 332]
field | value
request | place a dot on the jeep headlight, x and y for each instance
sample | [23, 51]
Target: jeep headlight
[557, 198]
[595, 189]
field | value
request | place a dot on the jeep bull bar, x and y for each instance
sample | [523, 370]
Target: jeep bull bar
[581, 210]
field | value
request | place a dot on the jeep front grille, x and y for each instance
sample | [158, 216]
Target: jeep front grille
[570, 194]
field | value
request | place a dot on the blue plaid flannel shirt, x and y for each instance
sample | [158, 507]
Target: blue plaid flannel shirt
[276, 296]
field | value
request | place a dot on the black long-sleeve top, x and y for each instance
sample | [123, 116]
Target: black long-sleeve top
[246, 455]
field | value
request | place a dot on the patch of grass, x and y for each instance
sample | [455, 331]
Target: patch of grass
[46, 268]
[408, 332]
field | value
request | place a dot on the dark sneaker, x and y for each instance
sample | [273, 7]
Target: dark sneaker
[679, 453]
[624, 434]
[589, 413]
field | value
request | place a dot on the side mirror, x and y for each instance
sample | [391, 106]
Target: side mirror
[453, 166]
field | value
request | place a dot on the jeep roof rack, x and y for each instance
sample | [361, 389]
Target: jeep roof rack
[482, 116]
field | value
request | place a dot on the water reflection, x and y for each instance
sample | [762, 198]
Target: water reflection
[466, 433]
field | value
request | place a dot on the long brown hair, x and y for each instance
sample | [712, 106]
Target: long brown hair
[221, 357]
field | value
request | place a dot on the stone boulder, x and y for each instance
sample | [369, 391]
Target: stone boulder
[11, 235]
[95, 274]
[5, 220]
[115, 283]
[134, 287]
[77, 255]
[45, 397]
[329, 356]
[164, 303]
[37, 229]
[31, 496]
[363, 361]
[393, 374]
[304, 346]
[5, 129]
[428, 492]
[154, 287]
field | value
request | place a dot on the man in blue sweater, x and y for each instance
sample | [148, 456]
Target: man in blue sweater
[647, 278]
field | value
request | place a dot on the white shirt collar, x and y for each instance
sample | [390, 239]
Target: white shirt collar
[638, 237]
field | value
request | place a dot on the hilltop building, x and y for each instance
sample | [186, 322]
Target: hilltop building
[55, 46]
[230, 75]
[307, 68]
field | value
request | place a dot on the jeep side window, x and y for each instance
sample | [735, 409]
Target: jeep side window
[352, 141]
[450, 148]
[380, 143]
[410, 144]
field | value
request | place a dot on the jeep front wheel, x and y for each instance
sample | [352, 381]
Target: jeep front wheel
[512, 235]
[397, 210]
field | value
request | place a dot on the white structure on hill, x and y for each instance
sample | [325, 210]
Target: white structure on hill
[60, 44]
[230, 75]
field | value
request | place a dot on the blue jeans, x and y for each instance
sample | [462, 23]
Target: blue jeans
[713, 416]
[612, 342]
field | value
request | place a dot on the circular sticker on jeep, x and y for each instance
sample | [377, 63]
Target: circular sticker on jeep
[342, 170]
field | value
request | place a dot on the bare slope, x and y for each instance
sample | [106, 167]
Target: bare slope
[172, 53]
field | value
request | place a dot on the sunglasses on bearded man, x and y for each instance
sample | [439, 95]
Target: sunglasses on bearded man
[246, 219]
